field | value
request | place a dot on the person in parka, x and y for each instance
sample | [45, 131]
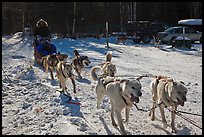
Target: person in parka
[42, 29]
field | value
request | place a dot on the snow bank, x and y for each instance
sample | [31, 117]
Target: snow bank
[190, 22]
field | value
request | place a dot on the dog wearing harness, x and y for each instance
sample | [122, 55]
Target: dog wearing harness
[49, 62]
[79, 62]
[64, 71]
[107, 68]
[122, 93]
[168, 93]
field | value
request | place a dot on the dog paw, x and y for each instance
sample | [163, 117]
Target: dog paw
[174, 131]
[153, 118]
[114, 124]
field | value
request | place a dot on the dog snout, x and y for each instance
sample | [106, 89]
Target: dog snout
[139, 93]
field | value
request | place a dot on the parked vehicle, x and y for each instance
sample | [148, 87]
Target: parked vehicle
[145, 31]
[168, 36]
[156, 27]
[139, 31]
[121, 37]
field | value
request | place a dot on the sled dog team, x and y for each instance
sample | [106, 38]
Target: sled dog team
[123, 93]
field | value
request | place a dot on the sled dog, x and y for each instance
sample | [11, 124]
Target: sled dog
[79, 62]
[107, 68]
[122, 94]
[64, 71]
[50, 62]
[168, 93]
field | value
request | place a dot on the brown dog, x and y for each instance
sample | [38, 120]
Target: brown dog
[64, 71]
[107, 68]
[79, 62]
[168, 93]
[50, 62]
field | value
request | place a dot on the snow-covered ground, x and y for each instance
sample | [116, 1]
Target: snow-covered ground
[31, 104]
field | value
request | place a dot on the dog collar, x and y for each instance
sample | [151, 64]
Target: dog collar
[81, 58]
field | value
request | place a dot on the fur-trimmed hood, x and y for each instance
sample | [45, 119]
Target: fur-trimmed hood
[41, 20]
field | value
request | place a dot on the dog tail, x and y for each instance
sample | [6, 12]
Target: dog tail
[93, 73]
[76, 53]
[109, 56]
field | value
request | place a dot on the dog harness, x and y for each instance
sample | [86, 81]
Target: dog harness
[105, 73]
[69, 75]
[80, 59]
[62, 71]
[167, 97]
[43, 61]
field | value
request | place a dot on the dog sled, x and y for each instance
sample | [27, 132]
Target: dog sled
[39, 57]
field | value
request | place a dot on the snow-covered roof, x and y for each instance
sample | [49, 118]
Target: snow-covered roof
[190, 22]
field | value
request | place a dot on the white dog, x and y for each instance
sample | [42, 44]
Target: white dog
[107, 68]
[169, 93]
[122, 94]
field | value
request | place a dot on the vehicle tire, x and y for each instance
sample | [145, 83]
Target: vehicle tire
[146, 39]
[201, 40]
[172, 40]
[136, 40]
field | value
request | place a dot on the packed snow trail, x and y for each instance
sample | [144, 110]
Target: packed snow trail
[31, 105]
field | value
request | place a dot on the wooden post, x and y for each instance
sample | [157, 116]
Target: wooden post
[107, 34]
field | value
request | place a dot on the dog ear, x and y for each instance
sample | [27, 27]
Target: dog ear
[109, 56]
[175, 83]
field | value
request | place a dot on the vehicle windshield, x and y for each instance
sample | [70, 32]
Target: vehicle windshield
[169, 30]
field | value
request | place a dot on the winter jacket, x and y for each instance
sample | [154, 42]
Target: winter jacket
[42, 31]
[45, 50]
